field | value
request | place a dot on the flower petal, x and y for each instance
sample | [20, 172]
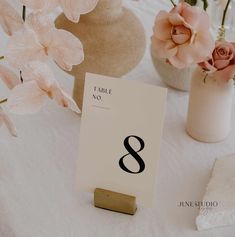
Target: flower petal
[6, 120]
[10, 20]
[221, 64]
[164, 49]
[196, 17]
[34, 4]
[65, 49]
[10, 126]
[64, 100]
[162, 28]
[40, 72]
[74, 8]
[227, 74]
[8, 77]
[40, 23]
[26, 98]
[41, 5]
[198, 51]
[23, 48]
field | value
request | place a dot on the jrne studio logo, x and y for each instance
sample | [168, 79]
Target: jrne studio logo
[198, 204]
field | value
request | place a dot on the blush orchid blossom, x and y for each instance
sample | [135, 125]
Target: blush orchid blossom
[182, 36]
[39, 84]
[38, 39]
[72, 8]
[33, 40]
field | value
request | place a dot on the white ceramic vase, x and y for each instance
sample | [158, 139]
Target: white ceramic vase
[210, 107]
[179, 79]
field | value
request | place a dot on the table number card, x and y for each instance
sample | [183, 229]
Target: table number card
[120, 136]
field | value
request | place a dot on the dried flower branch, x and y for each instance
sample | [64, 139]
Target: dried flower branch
[3, 101]
[33, 39]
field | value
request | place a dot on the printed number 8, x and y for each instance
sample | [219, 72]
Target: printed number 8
[134, 154]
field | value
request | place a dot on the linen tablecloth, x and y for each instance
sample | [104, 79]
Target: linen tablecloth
[38, 188]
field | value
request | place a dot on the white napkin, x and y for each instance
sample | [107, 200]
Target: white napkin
[221, 195]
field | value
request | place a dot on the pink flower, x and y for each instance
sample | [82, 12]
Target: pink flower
[10, 20]
[39, 84]
[72, 8]
[222, 62]
[39, 39]
[182, 35]
[4, 119]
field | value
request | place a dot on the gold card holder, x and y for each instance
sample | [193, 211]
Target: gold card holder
[114, 201]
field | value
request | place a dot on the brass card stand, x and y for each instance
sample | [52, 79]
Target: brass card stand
[113, 201]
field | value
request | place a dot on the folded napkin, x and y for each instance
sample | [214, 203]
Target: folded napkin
[218, 205]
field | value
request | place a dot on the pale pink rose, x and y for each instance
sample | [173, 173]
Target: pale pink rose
[182, 35]
[4, 119]
[8, 77]
[39, 39]
[39, 84]
[222, 62]
[72, 8]
[10, 19]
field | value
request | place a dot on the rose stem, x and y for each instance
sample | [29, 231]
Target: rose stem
[2, 57]
[225, 13]
[173, 3]
[3, 101]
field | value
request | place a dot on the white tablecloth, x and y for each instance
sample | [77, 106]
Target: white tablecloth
[38, 192]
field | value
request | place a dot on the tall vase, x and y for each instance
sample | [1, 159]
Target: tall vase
[210, 107]
[113, 39]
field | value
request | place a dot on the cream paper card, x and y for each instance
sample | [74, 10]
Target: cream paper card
[120, 136]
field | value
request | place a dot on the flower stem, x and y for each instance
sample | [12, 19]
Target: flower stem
[3, 101]
[24, 13]
[1, 57]
[225, 13]
[173, 3]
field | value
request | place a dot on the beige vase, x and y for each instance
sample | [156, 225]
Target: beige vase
[210, 107]
[179, 79]
[113, 39]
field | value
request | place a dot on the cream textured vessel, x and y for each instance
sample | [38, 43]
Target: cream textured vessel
[179, 79]
[210, 107]
[113, 39]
